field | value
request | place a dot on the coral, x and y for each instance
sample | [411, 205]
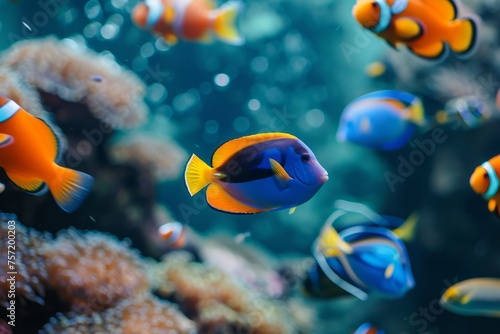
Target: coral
[5, 328]
[218, 303]
[77, 74]
[28, 262]
[93, 271]
[161, 155]
[145, 315]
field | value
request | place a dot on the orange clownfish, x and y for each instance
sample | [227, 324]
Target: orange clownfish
[192, 20]
[424, 26]
[174, 233]
[484, 181]
[28, 151]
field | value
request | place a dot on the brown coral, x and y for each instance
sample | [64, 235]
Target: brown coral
[145, 315]
[27, 262]
[77, 74]
[161, 155]
[218, 303]
[93, 271]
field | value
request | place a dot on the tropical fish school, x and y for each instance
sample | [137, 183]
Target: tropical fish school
[260, 173]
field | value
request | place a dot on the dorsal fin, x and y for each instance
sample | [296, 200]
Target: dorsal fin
[229, 148]
[447, 9]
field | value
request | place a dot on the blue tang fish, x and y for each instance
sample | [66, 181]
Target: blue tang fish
[258, 173]
[383, 120]
[362, 259]
[368, 328]
[474, 297]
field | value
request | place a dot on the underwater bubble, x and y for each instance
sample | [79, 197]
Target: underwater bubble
[157, 93]
[147, 50]
[161, 44]
[221, 80]
[91, 29]
[241, 124]
[253, 104]
[300, 64]
[116, 19]
[118, 4]
[92, 9]
[315, 118]
[275, 95]
[293, 42]
[186, 101]
[211, 127]
[139, 64]
[205, 88]
[69, 16]
[165, 110]
[259, 64]
[109, 30]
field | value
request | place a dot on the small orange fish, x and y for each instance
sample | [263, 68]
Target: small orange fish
[424, 26]
[173, 233]
[484, 181]
[28, 151]
[192, 20]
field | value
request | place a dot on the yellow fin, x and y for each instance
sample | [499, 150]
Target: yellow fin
[292, 210]
[417, 114]
[279, 171]
[226, 150]
[465, 298]
[407, 230]
[5, 140]
[389, 271]
[492, 204]
[70, 187]
[218, 199]
[171, 39]
[430, 51]
[331, 244]
[224, 24]
[407, 28]
[29, 184]
[446, 9]
[197, 175]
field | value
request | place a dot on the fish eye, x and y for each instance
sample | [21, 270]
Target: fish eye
[305, 157]
[485, 175]
[374, 4]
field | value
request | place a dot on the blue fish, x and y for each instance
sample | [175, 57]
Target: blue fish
[258, 173]
[368, 328]
[383, 120]
[363, 259]
[468, 112]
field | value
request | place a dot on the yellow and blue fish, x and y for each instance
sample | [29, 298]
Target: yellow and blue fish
[474, 297]
[365, 259]
[383, 120]
[467, 112]
[257, 173]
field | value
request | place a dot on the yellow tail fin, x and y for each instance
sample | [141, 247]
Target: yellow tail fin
[70, 188]
[417, 114]
[225, 21]
[331, 244]
[407, 230]
[197, 175]
[464, 38]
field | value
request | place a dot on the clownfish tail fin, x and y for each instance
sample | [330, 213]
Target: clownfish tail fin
[70, 188]
[464, 38]
[225, 23]
[197, 175]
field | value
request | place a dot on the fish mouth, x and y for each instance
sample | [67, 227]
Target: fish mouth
[323, 178]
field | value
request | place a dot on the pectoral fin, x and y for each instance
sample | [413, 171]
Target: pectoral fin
[407, 29]
[292, 210]
[279, 171]
[389, 271]
[465, 298]
[492, 204]
[5, 140]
